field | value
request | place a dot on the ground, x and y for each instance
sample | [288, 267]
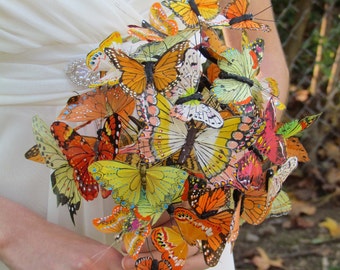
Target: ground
[296, 241]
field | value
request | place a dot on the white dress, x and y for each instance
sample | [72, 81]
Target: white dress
[38, 39]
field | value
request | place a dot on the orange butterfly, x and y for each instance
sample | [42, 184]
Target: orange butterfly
[236, 12]
[256, 204]
[160, 25]
[98, 103]
[128, 225]
[173, 242]
[136, 76]
[147, 263]
[80, 153]
[212, 211]
[189, 11]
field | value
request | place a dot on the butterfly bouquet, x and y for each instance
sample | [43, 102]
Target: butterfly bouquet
[179, 118]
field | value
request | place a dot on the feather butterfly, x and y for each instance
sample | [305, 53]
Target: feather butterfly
[128, 225]
[186, 98]
[148, 263]
[63, 183]
[190, 11]
[160, 25]
[236, 13]
[212, 147]
[163, 74]
[80, 153]
[128, 183]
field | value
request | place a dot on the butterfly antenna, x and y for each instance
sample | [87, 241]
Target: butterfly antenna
[261, 12]
[97, 256]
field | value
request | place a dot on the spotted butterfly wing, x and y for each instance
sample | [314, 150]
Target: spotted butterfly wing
[128, 226]
[97, 61]
[33, 154]
[295, 148]
[171, 244]
[147, 263]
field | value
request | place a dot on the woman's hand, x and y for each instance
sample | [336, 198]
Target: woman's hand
[28, 241]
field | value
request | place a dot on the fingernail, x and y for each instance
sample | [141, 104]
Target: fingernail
[128, 263]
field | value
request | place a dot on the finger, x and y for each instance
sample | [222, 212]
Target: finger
[195, 262]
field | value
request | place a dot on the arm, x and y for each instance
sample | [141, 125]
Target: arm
[27, 241]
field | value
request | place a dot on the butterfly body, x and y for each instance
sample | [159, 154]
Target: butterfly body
[242, 18]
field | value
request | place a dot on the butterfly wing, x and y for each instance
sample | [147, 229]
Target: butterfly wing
[295, 148]
[147, 263]
[165, 73]
[190, 74]
[182, 9]
[133, 79]
[160, 20]
[239, 78]
[33, 154]
[124, 180]
[63, 183]
[171, 244]
[163, 182]
[80, 153]
[89, 106]
[269, 143]
[295, 127]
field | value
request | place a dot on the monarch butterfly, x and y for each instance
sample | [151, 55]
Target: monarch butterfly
[80, 153]
[239, 19]
[189, 11]
[170, 135]
[63, 183]
[187, 99]
[147, 263]
[128, 225]
[160, 25]
[135, 77]
[159, 183]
